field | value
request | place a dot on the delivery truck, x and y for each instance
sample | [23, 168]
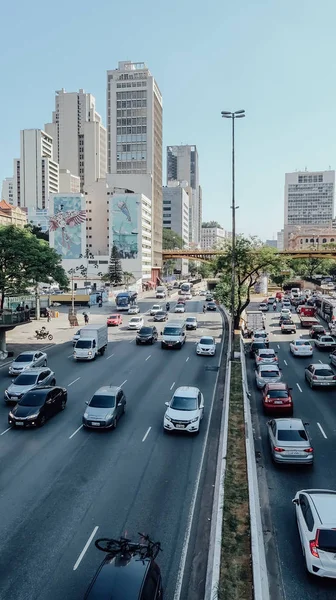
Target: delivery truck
[92, 341]
[253, 320]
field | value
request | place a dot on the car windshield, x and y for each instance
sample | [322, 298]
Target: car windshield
[301, 343]
[161, 313]
[24, 358]
[181, 403]
[328, 339]
[26, 379]
[83, 344]
[269, 373]
[172, 331]
[327, 540]
[287, 322]
[190, 319]
[113, 317]
[156, 307]
[277, 394]
[102, 401]
[146, 330]
[135, 320]
[258, 345]
[317, 328]
[206, 341]
[266, 354]
[292, 435]
[261, 334]
[323, 372]
[32, 399]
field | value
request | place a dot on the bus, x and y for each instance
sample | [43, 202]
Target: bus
[125, 299]
[326, 308]
[185, 288]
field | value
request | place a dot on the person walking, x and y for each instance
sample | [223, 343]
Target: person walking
[86, 318]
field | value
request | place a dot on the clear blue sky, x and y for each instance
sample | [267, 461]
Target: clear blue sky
[274, 58]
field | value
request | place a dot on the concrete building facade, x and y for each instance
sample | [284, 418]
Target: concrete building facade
[212, 237]
[134, 137]
[68, 183]
[280, 240]
[38, 217]
[176, 217]
[7, 190]
[12, 215]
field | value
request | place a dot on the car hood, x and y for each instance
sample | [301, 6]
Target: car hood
[25, 411]
[145, 335]
[182, 415]
[21, 365]
[19, 389]
[206, 346]
[98, 413]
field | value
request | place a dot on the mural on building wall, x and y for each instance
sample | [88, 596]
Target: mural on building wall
[67, 223]
[125, 225]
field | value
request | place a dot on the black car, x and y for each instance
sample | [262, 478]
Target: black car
[38, 405]
[161, 316]
[316, 331]
[209, 298]
[211, 306]
[255, 346]
[147, 335]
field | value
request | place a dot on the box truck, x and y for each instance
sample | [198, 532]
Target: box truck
[92, 341]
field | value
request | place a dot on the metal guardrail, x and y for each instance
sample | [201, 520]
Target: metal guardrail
[14, 317]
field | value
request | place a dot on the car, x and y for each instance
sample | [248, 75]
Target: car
[188, 296]
[206, 346]
[29, 379]
[315, 512]
[286, 304]
[255, 346]
[284, 318]
[332, 357]
[320, 375]
[263, 306]
[185, 410]
[191, 323]
[285, 313]
[267, 374]
[277, 397]
[279, 296]
[202, 293]
[209, 298]
[211, 306]
[260, 335]
[181, 301]
[114, 320]
[271, 300]
[266, 356]
[301, 348]
[38, 405]
[27, 360]
[134, 310]
[146, 335]
[155, 309]
[179, 308]
[290, 442]
[325, 342]
[76, 337]
[161, 316]
[105, 408]
[288, 326]
[316, 330]
[136, 323]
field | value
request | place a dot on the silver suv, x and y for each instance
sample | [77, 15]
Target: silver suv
[26, 381]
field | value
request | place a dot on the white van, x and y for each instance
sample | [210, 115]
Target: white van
[173, 335]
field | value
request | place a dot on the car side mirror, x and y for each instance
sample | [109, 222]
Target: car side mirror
[306, 423]
[119, 403]
[167, 403]
[295, 501]
[86, 402]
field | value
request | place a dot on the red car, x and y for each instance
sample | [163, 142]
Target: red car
[277, 397]
[181, 301]
[114, 320]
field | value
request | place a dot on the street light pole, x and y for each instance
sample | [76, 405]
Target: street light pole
[238, 114]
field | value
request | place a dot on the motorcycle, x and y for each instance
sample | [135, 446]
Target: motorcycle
[43, 334]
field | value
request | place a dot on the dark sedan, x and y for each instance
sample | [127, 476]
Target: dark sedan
[147, 335]
[38, 405]
[255, 346]
[316, 331]
[211, 306]
[161, 316]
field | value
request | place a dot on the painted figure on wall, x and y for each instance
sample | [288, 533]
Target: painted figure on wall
[66, 223]
[125, 226]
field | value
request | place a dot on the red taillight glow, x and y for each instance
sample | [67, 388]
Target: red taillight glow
[313, 545]
[314, 376]
[277, 449]
[309, 450]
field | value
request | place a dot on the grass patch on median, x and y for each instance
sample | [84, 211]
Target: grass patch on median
[236, 580]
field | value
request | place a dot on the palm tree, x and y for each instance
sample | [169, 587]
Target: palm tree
[128, 278]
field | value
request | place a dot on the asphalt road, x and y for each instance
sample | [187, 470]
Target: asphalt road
[61, 484]
[318, 408]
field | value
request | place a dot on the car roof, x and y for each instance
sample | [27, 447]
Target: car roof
[289, 423]
[267, 350]
[119, 581]
[27, 352]
[35, 370]
[187, 391]
[277, 386]
[207, 337]
[260, 331]
[136, 318]
[107, 390]
[324, 502]
[191, 319]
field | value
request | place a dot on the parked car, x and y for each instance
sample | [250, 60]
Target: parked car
[267, 374]
[206, 346]
[185, 410]
[325, 342]
[320, 375]
[301, 348]
[277, 398]
[290, 442]
[191, 323]
[316, 330]
[266, 356]
[27, 360]
[146, 335]
[105, 408]
[114, 320]
[161, 316]
[136, 323]
[38, 405]
[26, 381]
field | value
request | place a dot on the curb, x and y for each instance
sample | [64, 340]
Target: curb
[215, 543]
[259, 568]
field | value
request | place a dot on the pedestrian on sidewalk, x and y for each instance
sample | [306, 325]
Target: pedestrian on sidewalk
[86, 318]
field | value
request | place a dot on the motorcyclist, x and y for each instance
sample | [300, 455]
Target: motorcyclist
[204, 308]
[167, 305]
[274, 306]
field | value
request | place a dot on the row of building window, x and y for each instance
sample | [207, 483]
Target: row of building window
[309, 178]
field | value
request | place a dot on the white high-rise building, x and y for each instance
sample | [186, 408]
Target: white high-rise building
[309, 200]
[134, 137]
[182, 165]
[280, 240]
[176, 216]
[212, 237]
[36, 174]
[7, 190]
[79, 136]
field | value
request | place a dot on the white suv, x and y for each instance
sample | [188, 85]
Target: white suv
[316, 520]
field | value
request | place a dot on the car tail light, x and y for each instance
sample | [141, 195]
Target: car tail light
[313, 545]
[314, 376]
[277, 449]
[309, 450]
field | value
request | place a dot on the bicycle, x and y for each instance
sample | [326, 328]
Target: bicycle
[124, 546]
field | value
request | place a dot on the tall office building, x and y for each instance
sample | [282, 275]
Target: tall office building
[7, 190]
[36, 174]
[79, 136]
[309, 200]
[134, 139]
[182, 165]
[176, 216]
[212, 237]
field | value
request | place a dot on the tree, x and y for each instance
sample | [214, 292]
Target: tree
[208, 224]
[308, 267]
[115, 272]
[252, 260]
[37, 230]
[206, 269]
[193, 268]
[128, 277]
[171, 240]
[26, 260]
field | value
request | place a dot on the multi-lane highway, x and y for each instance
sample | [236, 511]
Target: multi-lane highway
[278, 485]
[62, 486]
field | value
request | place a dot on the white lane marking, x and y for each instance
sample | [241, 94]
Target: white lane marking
[285, 363]
[299, 387]
[74, 433]
[187, 359]
[70, 355]
[79, 559]
[146, 434]
[320, 361]
[5, 431]
[172, 385]
[321, 430]
[109, 356]
[123, 383]
[74, 381]
[131, 341]
[148, 357]
[278, 344]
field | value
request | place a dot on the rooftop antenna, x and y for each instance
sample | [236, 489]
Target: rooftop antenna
[306, 169]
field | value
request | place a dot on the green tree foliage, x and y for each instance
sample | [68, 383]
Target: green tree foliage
[128, 278]
[206, 270]
[37, 230]
[308, 267]
[115, 272]
[26, 260]
[171, 240]
[209, 224]
[252, 260]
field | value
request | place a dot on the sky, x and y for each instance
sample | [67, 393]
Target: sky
[273, 58]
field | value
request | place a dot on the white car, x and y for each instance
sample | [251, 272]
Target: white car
[260, 336]
[267, 374]
[179, 308]
[316, 520]
[188, 296]
[285, 312]
[76, 337]
[301, 348]
[203, 293]
[155, 309]
[184, 411]
[266, 356]
[136, 323]
[206, 346]
[134, 310]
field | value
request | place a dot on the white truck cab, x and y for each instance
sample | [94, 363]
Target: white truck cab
[92, 341]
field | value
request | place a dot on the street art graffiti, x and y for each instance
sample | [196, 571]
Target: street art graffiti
[67, 224]
[125, 225]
